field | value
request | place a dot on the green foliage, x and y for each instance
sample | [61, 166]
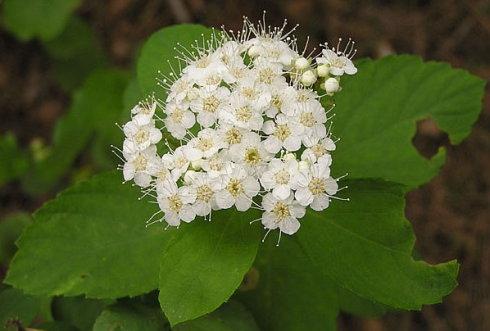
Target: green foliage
[91, 240]
[232, 316]
[95, 109]
[19, 310]
[130, 317]
[158, 54]
[336, 260]
[205, 263]
[75, 53]
[356, 256]
[10, 229]
[43, 19]
[13, 161]
[78, 312]
[378, 108]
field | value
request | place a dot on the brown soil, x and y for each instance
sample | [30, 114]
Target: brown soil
[451, 214]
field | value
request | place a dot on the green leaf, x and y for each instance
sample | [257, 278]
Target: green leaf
[95, 109]
[38, 18]
[355, 256]
[378, 109]
[130, 317]
[78, 311]
[289, 294]
[205, 264]
[158, 54]
[13, 161]
[18, 309]
[365, 245]
[10, 229]
[232, 316]
[91, 240]
[57, 326]
[75, 53]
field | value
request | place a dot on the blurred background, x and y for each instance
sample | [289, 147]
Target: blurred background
[40, 77]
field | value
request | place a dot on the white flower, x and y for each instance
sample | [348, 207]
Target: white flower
[203, 189]
[283, 133]
[140, 135]
[257, 94]
[238, 189]
[176, 202]
[280, 177]
[281, 214]
[180, 89]
[231, 134]
[139, 166]
[179, 119]
[217, 165]
[205, 66]
[315, 187]
[208, 105]
[177, 162]
[283, 97]
[322, 148]
[338, 63]
[206, 144]
[311, 117]
[242, 114]
[331, 85]
[250, 153]
[143, 112]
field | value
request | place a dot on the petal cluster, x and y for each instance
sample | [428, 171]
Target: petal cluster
[242, 127]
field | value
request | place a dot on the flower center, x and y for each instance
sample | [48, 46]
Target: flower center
[177, 115]
[248, 92]
[210, 104]
[282, 177]
[276, 102]
[204, 193]
[140, 163]
[180, 162]
[203, 62]
[216, 164]
[307, 119]
[175, 203]
[281, 211]
[233, 136]
[338, 62]
[252, 156]
[205, 144]
[282, 132]
[141, 136]
[302, 96]
[234, 187]
[213, 80]
[318, 150]
[266, 75]
[243, 114]
[317, 186]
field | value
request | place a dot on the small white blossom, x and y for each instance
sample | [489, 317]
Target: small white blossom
[179, 119]
[140, 135]
[176, 202]
[280, 177]
[283, 133]
[338, 63]
[140, 166]
[281, 214]
[208, 105]
[238, 189]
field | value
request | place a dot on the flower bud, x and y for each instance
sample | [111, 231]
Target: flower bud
[301, 63]
[331, 85]
[197, 164]
[322, 70]
[189, 176]
[308, 78]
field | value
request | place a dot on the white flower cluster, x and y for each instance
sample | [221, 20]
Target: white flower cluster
[250, 129]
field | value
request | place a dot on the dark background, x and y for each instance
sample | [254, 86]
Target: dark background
[450, 215]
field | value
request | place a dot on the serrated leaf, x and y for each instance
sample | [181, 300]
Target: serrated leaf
[378, 108]
[10, 229]
[44, 19]
[91, 240]
[232, 316]
[130, 317]
[13, 161]
[205, 264]
[18, 309]
[158, 54]
[355, 256]
[96, 106]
